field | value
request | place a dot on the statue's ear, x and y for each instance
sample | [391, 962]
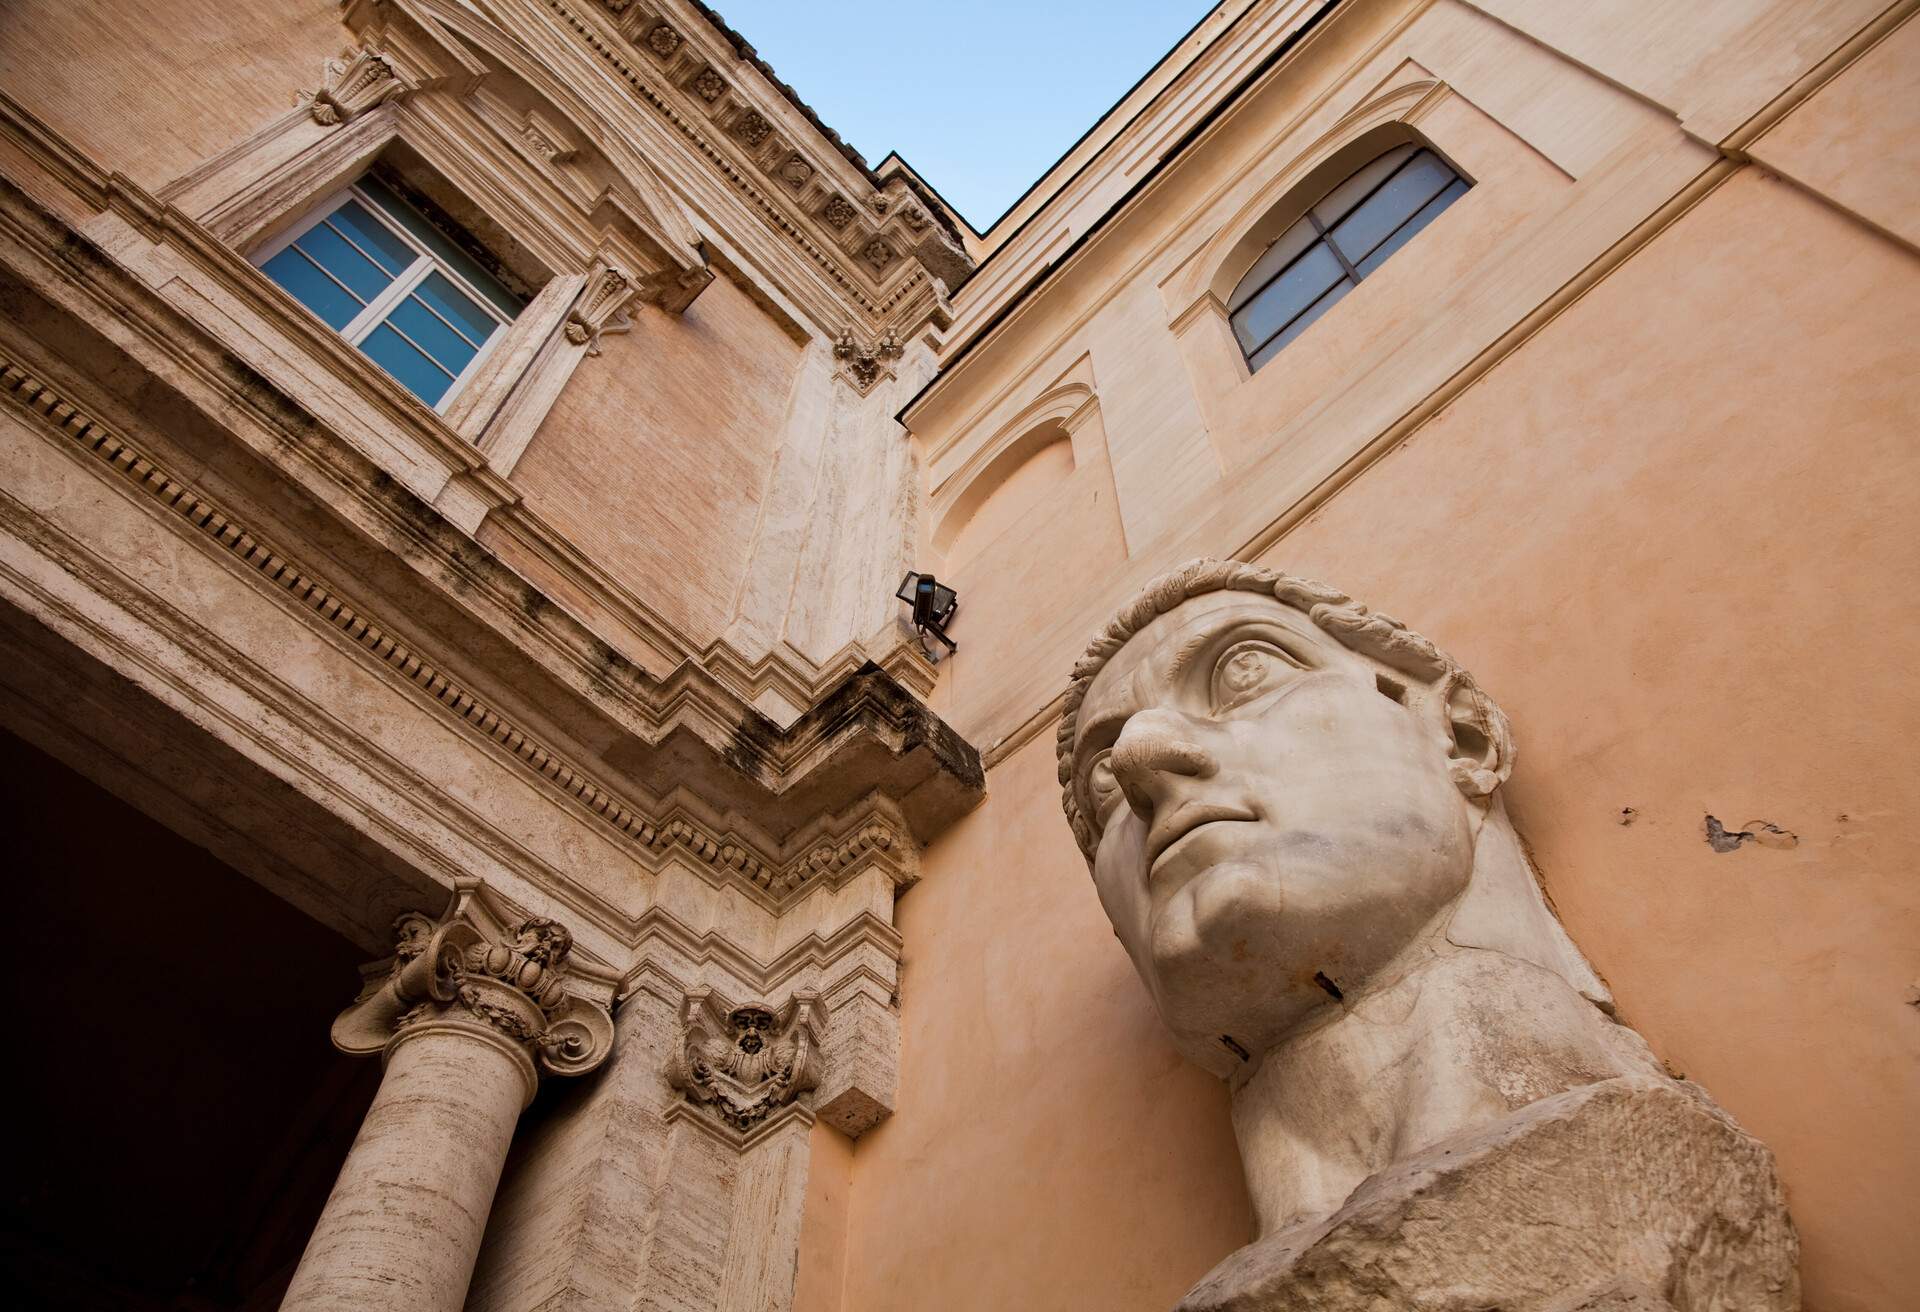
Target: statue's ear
[1482, 754]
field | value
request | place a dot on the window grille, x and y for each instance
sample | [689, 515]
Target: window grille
[396, 287]
[1351, 232]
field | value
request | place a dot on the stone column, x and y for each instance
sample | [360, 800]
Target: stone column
[465, 1018]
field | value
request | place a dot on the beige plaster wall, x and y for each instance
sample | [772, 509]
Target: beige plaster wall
[823, 1223]
[1672, 534]
[149, 98]
[654, 460]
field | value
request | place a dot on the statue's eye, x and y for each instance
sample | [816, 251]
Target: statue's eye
[1248, 669]
[1102, 787]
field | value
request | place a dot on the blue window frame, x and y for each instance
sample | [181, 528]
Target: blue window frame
[393, 285]
[1352, 231]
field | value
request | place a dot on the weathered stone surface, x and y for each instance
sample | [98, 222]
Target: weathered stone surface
[1622, 1182]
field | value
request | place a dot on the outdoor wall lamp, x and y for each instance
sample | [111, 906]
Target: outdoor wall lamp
[933, 605]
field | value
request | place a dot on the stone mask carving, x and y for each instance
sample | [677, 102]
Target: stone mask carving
[1289, 806]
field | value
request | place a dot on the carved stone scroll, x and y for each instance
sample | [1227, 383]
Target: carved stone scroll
[468, 1012]
[361, 80]
[601, 308]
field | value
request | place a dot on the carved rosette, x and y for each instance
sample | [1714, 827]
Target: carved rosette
[361, 80]
[863, 365]
[752, 128]
[745, 1063]
[469, 969]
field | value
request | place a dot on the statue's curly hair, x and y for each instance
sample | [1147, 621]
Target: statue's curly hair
[1371, 634]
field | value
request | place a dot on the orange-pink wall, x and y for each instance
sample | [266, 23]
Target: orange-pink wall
[151, 90]
[1051, 1151]
[1673, 535]
[655, 458]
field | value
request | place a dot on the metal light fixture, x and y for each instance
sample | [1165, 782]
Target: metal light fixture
[933, 605]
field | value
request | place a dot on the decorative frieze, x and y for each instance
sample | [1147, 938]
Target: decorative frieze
[360, 80]
[878, 254]
[832, 853]
[752, 127]
[744, 1063]
[796, 172]
[838, 211]
[709, 85]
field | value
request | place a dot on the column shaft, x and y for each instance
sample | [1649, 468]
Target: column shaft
[402, 1227]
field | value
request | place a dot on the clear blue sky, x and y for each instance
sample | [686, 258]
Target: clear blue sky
[980, 96]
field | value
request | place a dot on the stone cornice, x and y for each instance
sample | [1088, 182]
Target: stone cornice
[876, 251]
[792, 676]
[769, 762]
[821, 851]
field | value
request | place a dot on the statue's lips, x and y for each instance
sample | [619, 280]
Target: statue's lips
[1176, 824]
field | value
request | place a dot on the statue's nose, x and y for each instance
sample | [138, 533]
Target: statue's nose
[1156, 751]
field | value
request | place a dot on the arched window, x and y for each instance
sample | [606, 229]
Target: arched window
[1342, 239]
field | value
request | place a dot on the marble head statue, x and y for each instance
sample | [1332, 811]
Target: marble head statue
[1291, 808]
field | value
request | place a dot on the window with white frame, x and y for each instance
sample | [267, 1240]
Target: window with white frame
[1345, 236]
[395, 286]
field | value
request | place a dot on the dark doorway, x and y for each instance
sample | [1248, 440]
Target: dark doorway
[176, 1114]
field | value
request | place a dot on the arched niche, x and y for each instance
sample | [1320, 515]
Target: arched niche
[1041, 435]
[1030, 472]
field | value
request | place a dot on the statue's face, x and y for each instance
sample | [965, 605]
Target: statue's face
[1271, 816]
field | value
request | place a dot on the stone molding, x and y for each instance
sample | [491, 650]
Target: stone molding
[781, 672]
[751, 137]
[830, 854]
[710, 682]
[601, 308]
[478, 966]
[742, 1062]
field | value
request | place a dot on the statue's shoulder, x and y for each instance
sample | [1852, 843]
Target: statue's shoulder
[1628, 1195]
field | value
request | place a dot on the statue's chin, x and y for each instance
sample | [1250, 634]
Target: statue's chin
[1230, 960]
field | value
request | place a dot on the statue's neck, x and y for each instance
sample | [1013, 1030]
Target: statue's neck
[1459, 1041]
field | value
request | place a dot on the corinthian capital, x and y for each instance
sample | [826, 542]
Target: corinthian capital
[472, 966]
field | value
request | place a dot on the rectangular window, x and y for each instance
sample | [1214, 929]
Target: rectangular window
[394, 286]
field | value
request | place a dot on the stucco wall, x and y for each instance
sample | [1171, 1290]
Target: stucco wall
[1669, 534]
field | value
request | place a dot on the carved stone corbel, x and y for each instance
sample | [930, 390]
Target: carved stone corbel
[360, 80]
[744, 1063]
[601, 308]
[863, 365]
